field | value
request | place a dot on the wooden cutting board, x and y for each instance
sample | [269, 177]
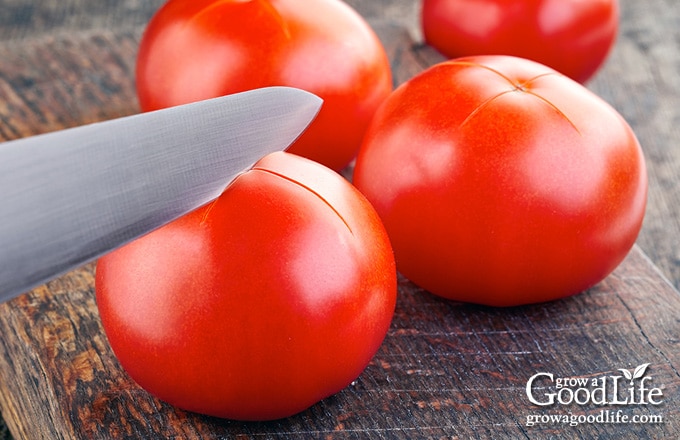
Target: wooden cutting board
[445, 369]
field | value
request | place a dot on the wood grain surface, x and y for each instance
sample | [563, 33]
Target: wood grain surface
[446, 369]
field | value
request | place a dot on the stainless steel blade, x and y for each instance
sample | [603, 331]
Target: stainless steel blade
[68, 197]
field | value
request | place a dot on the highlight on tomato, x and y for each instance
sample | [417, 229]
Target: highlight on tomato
[571, 36]
[258, 305]
[502, 182]
[198, 49]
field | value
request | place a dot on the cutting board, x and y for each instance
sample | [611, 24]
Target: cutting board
[445, 370]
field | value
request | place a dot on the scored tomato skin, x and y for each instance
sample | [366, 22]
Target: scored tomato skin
[258, 305]
[502, 182]
[194, 50]
[571, 36]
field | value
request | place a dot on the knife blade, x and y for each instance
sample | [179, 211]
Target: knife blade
[70, 196]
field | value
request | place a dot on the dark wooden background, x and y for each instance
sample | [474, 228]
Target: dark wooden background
[80, 56]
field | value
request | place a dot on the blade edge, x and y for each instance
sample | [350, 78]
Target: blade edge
[73, 195]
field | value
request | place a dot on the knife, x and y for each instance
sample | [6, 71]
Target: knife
[70, 196]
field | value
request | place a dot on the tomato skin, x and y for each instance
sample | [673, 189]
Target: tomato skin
[571, 36]
[193, 50]
[502, 182]
[257, 306]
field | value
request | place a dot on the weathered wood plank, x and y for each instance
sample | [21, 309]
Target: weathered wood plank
[58, 82]
[445, 368]
[641, 80]
[33, 19]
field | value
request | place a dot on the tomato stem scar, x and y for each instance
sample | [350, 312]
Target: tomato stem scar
[517, 86]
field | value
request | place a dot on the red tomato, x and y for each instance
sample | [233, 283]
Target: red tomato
[258, 305]
[571, 36]
[198, 49]
[503, 182]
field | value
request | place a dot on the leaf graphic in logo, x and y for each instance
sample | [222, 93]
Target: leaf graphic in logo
[640, 371]
[626, 373]
[637, 373]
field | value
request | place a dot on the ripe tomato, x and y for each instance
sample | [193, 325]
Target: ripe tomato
[198, 49]
[258, 305]
[571, 36]
[503, 182]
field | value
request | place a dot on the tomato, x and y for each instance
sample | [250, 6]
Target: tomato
[571, 36]
[198, 49]
[258, 305]
[503, 182]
